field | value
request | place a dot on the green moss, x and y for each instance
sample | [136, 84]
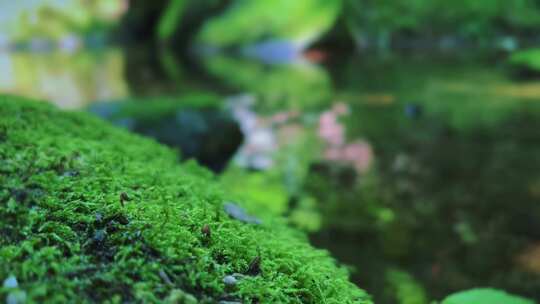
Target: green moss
[93, 213]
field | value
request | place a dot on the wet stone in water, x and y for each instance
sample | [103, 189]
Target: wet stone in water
[240, 214]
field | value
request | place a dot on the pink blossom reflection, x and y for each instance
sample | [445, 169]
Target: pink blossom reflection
[358, 152]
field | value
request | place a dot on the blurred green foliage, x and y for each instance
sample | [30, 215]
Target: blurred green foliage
[67, 79]
[405, 288]
[474, 19]
[279, 86]
[237, 23]
[247, 21]
[23, 20]
[374, 22]
[170, 20]
[464, 92]
[526, 61]
[266, 189]
[485, 296]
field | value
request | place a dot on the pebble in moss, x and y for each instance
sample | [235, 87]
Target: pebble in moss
[240, 214]
[11, 282]
[99, 236]
[16, 297]
[163, 275]
[230, 280]
[71, 173]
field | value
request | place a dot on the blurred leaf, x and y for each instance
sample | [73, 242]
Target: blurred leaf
[485, 296]
[292, 86]
[249, 21]
[528, 59]
[170, 20]
[407, 290]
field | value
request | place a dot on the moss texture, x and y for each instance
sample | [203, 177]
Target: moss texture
[92, 213]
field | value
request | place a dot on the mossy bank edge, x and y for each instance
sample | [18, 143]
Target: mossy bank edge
[92, 213]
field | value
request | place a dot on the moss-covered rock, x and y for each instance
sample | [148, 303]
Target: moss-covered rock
[91, 213]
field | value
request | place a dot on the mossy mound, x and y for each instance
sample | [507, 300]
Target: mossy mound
[92, 213]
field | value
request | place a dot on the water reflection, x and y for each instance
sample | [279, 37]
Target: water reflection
[463, 211]
[299, 85]
[425, 176]
[70, 80]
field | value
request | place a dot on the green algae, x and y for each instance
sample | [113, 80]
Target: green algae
[93, 213]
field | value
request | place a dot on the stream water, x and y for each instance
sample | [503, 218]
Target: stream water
[421, 172]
